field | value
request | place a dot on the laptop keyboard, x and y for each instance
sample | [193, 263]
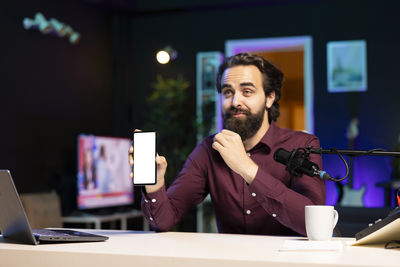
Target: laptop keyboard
[45, 232]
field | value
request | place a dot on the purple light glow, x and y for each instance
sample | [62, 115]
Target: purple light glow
[368, 170]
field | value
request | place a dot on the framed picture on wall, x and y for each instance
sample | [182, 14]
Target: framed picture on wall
[347, 66]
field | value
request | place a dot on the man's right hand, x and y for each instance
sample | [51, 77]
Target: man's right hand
[161, 169]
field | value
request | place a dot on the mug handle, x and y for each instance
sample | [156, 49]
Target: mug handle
[335, 218]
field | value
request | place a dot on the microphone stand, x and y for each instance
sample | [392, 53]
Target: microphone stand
[354, 153]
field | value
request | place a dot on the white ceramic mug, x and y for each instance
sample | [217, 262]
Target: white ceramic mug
[320, 221]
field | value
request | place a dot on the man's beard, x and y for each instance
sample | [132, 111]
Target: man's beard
[246, 127]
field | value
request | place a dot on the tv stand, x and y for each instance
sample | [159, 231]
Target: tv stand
[98, 219]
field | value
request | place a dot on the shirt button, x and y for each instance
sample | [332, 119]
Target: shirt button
[273, 215]
[154, 200]
[151, 218]
[248, 211]
[145, 200]
[248, 154]
[253, 194]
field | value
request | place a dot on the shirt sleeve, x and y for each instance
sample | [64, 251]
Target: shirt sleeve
[165, 208]
[287, 203]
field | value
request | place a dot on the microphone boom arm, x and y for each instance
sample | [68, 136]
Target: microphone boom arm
[354, 153]
[351, 153]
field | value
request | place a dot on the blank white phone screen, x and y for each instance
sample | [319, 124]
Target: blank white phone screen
[144, 158]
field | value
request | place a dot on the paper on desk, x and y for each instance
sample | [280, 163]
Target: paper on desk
[307, 245]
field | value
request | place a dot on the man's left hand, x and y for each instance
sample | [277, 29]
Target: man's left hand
[230, 147]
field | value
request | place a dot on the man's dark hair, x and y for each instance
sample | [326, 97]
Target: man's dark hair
[272, 77]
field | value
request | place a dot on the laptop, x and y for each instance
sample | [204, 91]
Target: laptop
[15, 227]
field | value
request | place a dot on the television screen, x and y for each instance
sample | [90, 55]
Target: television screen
[103, 172]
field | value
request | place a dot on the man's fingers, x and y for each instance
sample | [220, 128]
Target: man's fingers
[231, 134]
[217, 146]
[228, 132]
[220, 138]
[161, 161]
[137, 130]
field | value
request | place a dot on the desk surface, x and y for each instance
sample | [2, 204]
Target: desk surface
[131, 248]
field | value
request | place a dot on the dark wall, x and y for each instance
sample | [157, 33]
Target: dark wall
[52, 90]
[190, 30]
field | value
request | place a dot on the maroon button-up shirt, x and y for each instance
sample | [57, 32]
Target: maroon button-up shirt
[273, 204]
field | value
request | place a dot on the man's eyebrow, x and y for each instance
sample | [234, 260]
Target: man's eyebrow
[244, 84]
[247, 84]
[225, 85]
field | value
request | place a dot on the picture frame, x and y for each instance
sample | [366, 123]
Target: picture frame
[347, 66]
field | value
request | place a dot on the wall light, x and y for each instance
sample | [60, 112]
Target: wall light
[166, 55]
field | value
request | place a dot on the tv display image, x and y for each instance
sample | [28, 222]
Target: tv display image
[103, 172]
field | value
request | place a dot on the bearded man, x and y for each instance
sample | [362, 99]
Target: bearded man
[250, 192]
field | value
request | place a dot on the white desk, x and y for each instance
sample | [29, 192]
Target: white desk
[129, 248]
[97, 220]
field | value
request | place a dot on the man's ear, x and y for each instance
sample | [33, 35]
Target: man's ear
[270, 100]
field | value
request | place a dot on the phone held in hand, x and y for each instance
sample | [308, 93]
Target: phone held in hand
[144, 158]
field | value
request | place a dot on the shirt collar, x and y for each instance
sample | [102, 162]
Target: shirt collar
[269, 137]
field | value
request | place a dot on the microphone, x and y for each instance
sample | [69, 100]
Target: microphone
[297, 162]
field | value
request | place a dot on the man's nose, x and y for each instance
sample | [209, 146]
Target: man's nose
[236, 101]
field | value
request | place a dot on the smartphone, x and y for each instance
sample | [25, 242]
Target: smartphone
[144, 158]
